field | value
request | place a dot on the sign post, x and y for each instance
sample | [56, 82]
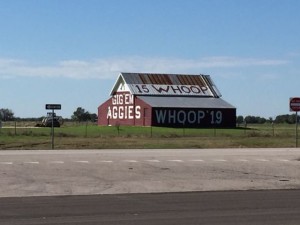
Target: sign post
[297, 129]
[53, 107]
[295, 107]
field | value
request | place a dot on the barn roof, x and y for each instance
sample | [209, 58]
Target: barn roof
[185, 102]
[166, 85]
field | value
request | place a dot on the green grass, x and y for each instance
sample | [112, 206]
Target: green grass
[79, 136]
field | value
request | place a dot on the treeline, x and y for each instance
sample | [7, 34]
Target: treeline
[288, 118]
[80, 115]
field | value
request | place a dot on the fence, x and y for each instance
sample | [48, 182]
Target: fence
[89, 129]
[24, 135]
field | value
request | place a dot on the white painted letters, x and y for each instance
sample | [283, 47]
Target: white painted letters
[161, 89]
[123, 107]
[187, 117]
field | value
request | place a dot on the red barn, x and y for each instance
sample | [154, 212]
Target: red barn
[167, 100]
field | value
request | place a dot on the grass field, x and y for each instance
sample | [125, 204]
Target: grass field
[90, 136]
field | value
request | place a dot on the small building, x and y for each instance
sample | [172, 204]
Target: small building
[166, 100]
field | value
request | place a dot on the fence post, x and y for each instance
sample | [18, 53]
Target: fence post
[296, 129]
[86, 125]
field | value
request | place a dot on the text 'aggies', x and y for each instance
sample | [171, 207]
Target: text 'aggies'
[123, 107]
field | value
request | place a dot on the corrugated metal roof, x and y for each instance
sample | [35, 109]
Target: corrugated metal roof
[164, 79]
[168, 84]
[185, 102]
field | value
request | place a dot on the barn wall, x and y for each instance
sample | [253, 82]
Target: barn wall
[194, 117]
[102, 113]
[146, 113]
[124, 109]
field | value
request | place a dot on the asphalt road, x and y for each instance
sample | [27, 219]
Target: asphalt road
[273, 207]
[90, 172]
[169, 186]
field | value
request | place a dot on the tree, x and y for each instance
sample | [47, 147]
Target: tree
[250, 119]
[283, 119]
[6, 114]
[261, 120]
[290, 119]
[239, 120]
[94, 117]
[255, 119]
[81, 115]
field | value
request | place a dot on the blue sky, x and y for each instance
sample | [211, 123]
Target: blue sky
[70, 52]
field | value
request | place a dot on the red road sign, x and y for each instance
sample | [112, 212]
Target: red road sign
[295, 104]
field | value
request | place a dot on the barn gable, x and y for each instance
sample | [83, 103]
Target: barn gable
[140, 84]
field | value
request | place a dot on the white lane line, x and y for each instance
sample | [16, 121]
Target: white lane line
[105, 161]
[220, 160]
[175, 160]
[262, 160]
[152, 160]
[6, 163]
[33, 162]
[82, 161]
[243, 160]
[284, 160]
[130, 161]
[196, 160]
[56, 162]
